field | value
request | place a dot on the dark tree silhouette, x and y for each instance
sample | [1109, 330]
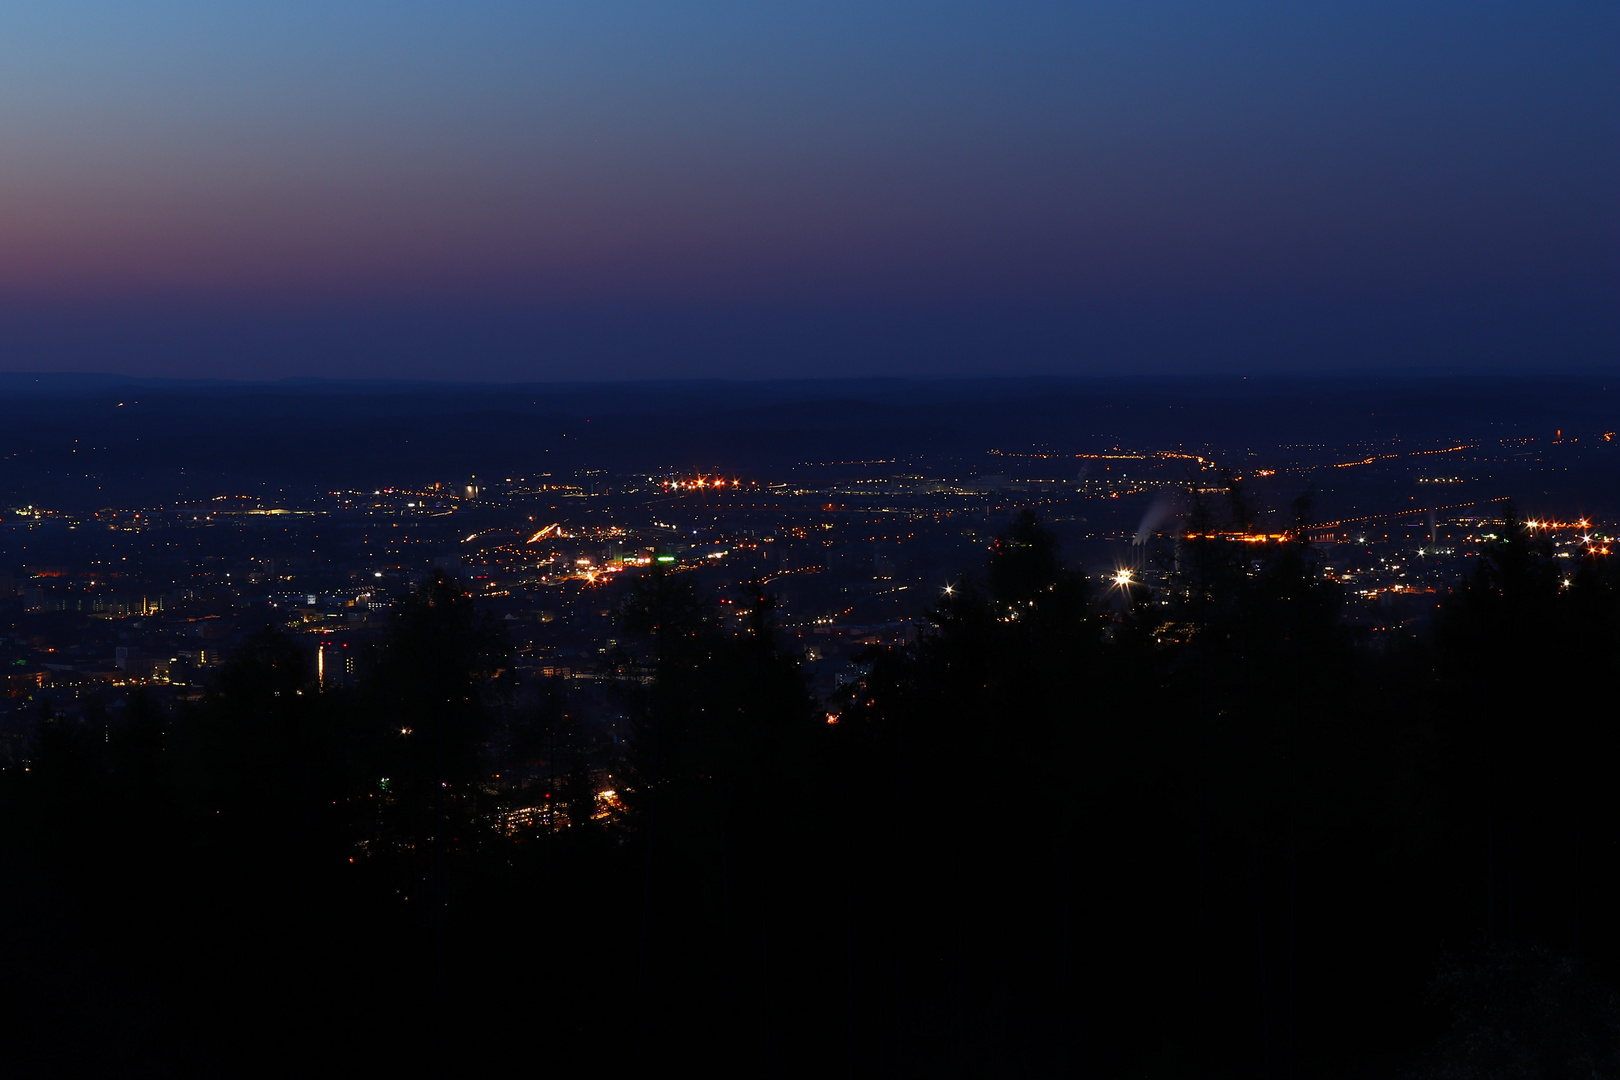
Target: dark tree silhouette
[1211, 831]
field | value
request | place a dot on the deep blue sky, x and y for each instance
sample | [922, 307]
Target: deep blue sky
[527, 190]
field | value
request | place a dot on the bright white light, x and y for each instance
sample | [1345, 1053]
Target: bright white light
[1122, 578]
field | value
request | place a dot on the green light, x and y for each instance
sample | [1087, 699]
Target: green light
[665, 558]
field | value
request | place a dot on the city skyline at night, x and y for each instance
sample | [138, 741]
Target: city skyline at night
[1058, 540]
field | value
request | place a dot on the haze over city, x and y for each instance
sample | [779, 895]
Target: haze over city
[531, 192]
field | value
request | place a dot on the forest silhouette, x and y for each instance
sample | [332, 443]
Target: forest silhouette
[1213, 832]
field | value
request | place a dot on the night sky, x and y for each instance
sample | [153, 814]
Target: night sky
[487, 190]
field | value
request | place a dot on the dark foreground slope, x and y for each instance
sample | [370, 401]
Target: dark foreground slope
[1054, 837]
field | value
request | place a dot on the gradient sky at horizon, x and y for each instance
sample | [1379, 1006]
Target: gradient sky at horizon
[529, 190]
